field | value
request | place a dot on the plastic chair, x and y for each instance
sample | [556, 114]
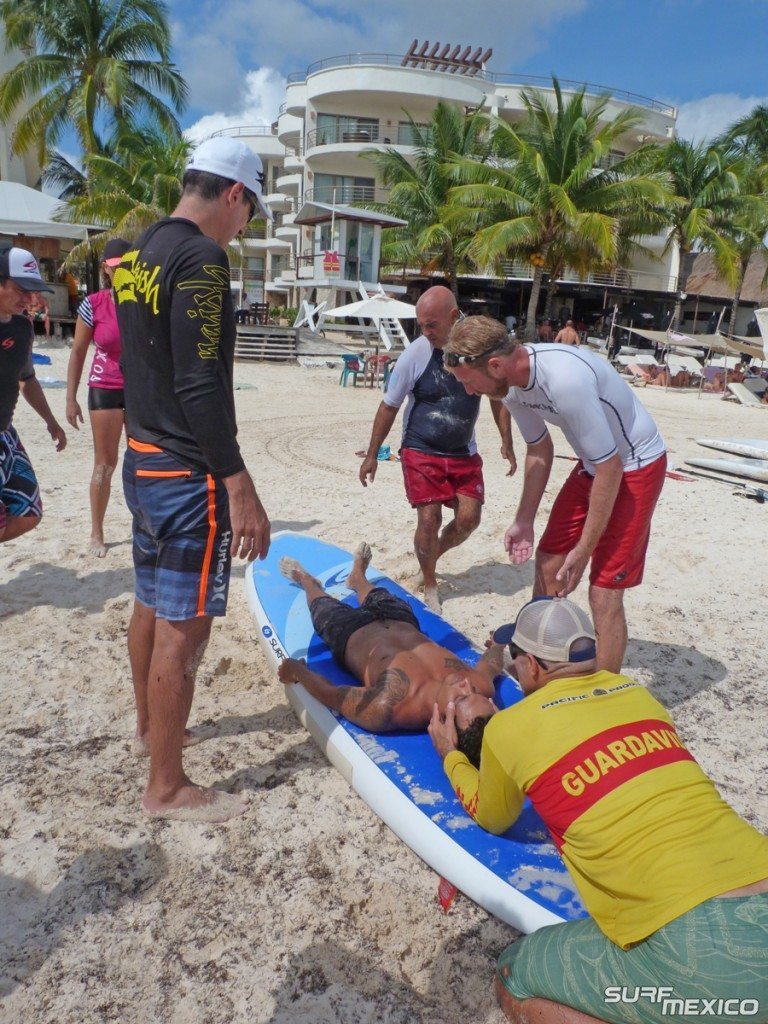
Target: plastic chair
[352, 368]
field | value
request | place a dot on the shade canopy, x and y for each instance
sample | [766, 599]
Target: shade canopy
[376, 307]
[25, 211]
[707, 342]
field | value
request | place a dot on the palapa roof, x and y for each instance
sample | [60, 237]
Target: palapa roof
[704, 279]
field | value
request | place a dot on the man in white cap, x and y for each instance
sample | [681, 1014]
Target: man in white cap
[676, 883]
[20, 505]
[193, 502]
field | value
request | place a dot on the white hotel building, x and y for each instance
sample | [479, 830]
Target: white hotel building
[343, 105]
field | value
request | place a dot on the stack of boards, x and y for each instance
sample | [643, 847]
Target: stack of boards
[518, 877]
[752, 465]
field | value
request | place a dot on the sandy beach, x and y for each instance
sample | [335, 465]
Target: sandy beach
[307, 908]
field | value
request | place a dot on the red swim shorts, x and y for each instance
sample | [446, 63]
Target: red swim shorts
[433, 478]
[619, 558]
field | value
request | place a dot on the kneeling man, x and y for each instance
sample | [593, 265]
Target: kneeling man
[676, 883]
[404, 674]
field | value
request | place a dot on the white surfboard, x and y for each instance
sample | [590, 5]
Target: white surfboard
[750, 447]
[518, 877]
[750, 469]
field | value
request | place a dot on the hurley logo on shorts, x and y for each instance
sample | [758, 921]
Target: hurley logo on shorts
[220, 579]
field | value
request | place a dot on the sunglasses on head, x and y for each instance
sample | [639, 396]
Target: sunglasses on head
[452, 359]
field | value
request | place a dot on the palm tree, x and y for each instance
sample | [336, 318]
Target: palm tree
[127, 189]
[749, 135]
[546, 195]
[97, 65]
[707, 196]
[747, 228]
[419, 188]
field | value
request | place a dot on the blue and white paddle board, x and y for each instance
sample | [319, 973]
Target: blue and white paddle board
[518, 877]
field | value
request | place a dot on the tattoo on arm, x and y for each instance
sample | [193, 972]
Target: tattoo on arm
[492, 662]
[372, 706]
[455, 664]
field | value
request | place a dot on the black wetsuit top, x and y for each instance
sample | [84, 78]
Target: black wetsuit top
[15, 364]
[178, 343]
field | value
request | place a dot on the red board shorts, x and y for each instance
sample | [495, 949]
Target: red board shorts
[618, 560]
[435, 478]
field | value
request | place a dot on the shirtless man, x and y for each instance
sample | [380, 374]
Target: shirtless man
[403, 673]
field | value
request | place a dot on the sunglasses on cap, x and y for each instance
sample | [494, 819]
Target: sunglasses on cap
[453, 359]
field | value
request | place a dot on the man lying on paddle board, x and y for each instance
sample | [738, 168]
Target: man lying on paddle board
[403, 673]
[676, 883]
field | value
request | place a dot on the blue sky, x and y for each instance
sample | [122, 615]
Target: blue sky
[707, 58]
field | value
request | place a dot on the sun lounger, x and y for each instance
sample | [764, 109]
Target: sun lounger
[644, 358]
[745, 396]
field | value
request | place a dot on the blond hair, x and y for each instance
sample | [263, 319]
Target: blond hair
[477, 334]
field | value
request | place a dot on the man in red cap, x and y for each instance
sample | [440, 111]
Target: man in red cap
[20, 505]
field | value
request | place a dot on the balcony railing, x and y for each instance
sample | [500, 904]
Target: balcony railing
[346, 195]
[535, 81]
[246, 129]
[334, 134]
[624, 278]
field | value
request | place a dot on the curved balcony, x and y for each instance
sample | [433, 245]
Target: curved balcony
[289, 183]
[293, 163]
[290, 129]
[254, 246]
[288, 232]
[278, 201]
[397, 62]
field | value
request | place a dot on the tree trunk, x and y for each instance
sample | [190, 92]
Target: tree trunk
[453, 277]
[533, 303]
[737, 295]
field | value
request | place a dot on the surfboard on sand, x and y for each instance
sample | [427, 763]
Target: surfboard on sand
[518, 877]
[751, 469]
[750, 447]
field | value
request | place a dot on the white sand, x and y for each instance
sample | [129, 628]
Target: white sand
[307, 909]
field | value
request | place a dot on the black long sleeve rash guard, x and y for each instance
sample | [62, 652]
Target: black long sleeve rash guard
[178, 342]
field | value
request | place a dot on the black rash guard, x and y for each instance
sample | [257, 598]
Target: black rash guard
[178, 343]
[15, 364]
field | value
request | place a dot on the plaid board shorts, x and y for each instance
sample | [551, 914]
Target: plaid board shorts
[19, 490]
[181, 534]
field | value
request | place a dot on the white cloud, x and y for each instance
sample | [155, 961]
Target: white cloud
[264, 92]
[702, 120]
[215, 42]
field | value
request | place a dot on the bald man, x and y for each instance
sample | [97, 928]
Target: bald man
[441, 465]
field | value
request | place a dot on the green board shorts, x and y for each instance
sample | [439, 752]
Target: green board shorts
[711, 964]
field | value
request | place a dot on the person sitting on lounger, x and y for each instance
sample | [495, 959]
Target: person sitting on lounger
[403, 673]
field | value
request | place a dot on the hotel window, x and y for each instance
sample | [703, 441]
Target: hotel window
[332, 128]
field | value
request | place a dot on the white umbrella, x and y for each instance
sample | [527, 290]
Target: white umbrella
[376, 307]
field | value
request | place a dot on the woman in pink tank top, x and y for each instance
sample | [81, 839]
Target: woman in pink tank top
[97, 322]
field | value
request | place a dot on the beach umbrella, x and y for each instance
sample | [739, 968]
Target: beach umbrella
[376, 307]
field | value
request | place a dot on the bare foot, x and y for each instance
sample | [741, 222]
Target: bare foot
[432, 600]
[363, 556]
[140, 744]
[295, 571]
[193, 803]
[97, 547]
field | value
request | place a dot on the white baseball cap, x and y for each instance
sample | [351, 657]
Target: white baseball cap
[232, 159]
[547, 627]
[21, 267]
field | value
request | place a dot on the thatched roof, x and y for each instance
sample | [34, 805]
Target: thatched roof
[704, 280]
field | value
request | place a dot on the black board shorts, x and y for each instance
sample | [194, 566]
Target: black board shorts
[335, 622]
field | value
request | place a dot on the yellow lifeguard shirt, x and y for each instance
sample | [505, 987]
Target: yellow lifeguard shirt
[642, 830]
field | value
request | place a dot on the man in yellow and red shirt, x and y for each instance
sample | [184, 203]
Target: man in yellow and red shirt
[675, 882]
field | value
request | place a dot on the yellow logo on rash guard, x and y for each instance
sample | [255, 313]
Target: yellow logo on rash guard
[135, 280]
[123, 280]
[208, 298]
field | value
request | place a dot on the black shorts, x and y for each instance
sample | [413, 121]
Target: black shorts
[335, 622]
[100, 399]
